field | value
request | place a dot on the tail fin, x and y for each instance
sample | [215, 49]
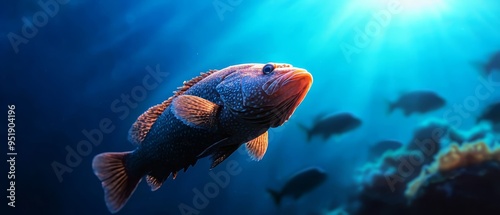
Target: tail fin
[276, 196]
[307, 130]
[117, 183]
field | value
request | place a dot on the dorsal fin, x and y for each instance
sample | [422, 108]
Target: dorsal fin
[144, 122]
[141, 126]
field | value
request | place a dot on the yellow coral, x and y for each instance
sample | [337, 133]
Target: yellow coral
[455, 157]
[450, 159]
[468, 154]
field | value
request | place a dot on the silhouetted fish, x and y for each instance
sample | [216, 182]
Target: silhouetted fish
[417, 102]
[300, 184]
[212, 114]
[491, 65]
[460, 137]
[491, 114]
[378, 149]
[332, 125]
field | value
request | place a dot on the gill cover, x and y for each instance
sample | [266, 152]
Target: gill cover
[230, 91]
[242, 90]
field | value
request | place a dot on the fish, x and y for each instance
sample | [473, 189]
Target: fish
[299, 184]
[456, 136]
[378, 149]
[420, 101]
[493, 64]
[460, 137]
[210, 115]
[335, 124]
[490, 114]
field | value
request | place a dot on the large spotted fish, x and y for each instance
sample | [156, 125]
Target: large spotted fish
[210, 115]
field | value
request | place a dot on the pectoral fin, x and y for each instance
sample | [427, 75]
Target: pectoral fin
[195, 111]
[257, 147]
[221, 154]
[214, 147]
[220, 150]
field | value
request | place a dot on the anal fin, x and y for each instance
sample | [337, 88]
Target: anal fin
[155, 182]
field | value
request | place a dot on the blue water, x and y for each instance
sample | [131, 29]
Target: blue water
[70, 74]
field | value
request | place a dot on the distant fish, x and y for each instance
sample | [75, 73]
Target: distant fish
[493, 64]
[378, 149]
[211, 115]
[456, 136]
[332, 125]
[459, 137]
[300, 184]
[417, 102]
[491, 114]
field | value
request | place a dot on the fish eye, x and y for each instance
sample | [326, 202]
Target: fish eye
[268, 68]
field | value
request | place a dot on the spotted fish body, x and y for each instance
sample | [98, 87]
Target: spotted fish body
[211, 115]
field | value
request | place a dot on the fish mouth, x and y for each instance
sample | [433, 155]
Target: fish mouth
[298, 80]
[289, 82]
[290, 90]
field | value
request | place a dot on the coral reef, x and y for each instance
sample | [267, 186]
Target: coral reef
[386, 178]
[471, 189]
[469, 154]
[405, 164]
[431, 174]
[479, 132]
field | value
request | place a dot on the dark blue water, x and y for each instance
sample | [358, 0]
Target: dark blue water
[76, 70]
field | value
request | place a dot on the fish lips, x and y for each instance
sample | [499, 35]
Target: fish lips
[290, 90]
[290, 83]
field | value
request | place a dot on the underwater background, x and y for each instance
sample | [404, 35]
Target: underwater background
[67, 66]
